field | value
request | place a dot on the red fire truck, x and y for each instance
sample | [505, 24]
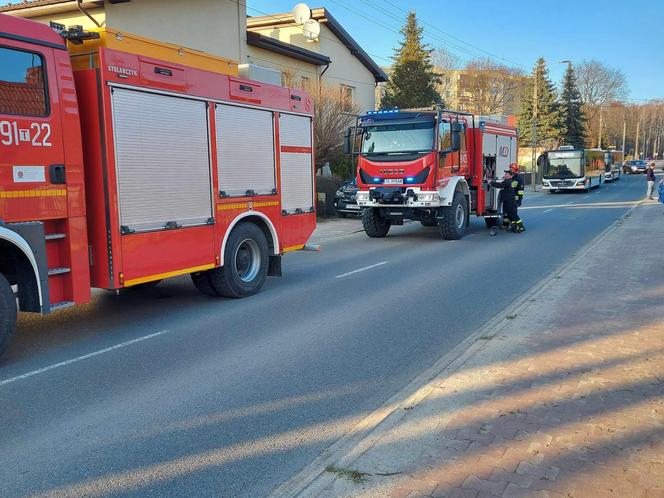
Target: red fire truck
[125, 161]
[429, 165]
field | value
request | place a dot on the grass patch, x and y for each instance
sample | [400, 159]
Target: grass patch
[352, 475]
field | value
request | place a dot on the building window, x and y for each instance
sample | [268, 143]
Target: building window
[347, 96]
[22, 90]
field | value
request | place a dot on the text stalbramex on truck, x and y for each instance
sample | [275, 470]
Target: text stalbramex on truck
[429, 165]
[125, 161]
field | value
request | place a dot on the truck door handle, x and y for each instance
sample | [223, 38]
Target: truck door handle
[56, 173]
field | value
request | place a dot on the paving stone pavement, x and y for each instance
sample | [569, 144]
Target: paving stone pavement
[564, 399]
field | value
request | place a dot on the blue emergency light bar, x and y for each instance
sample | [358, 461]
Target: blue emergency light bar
[384, 111]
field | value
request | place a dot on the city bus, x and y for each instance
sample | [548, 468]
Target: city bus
[573, 169]
[613, 160]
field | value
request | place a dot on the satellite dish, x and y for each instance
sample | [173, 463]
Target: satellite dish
[301, 13]
[311, 30]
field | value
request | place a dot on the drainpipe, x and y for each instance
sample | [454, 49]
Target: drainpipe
[89, 16]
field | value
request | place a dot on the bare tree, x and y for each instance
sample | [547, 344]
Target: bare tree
[445, 63]
[490, 88]
[333, 114]
[599, 85]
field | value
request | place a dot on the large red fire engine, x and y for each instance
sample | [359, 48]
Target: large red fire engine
[429, 165]
[125, 161]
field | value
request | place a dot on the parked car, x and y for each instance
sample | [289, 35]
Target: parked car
[344, 199]
[635, 166]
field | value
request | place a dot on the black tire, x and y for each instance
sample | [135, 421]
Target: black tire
[492, 222]
[145, 286]
[375, 226]
[453, 219]
[202, 283]
[246, 261]
[8, 313]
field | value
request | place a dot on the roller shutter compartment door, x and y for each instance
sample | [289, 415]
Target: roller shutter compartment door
[245, 150]
[162, 160]
[296, 164]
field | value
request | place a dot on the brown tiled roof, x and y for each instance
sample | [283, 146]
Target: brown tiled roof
[30, 3]
[25, 98]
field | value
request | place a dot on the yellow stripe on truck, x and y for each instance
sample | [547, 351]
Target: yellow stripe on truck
[160, 276]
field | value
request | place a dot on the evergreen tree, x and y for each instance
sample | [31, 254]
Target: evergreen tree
[549, 116]
[573, 130]
[413, 80]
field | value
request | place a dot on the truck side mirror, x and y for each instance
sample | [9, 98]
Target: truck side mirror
[347, 143]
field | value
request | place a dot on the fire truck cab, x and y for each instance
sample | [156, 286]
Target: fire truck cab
[124, 161]
[433, 166]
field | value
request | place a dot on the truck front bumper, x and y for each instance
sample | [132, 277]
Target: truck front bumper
[405, 198]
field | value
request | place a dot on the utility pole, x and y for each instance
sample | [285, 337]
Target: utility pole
[533, 175]
[624, 133]
[599, 135]
[636, 146]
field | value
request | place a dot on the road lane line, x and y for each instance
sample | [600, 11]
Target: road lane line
[80, 358]
[569, 203]
[548, 210]
[361, 269]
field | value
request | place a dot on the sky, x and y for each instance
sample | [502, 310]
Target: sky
[624, 34]
[627, 35]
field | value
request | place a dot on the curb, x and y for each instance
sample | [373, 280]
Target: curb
[313, 478]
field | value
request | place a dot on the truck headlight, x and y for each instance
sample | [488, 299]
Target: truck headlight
[362, 197]
[427, 197]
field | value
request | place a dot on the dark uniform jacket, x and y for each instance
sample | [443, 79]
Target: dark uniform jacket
[518, 186]
[508, 195]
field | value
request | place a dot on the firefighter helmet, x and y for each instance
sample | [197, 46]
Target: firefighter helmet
[514, 167]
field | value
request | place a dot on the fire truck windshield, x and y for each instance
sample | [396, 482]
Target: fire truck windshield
[402, 138]
[564, 167]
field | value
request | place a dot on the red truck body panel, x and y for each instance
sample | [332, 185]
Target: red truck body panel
[81, 217]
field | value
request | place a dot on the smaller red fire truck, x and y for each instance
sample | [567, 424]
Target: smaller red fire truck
[124, 161]
[433, 166]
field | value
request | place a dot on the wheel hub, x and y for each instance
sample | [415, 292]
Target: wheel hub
[247, 260]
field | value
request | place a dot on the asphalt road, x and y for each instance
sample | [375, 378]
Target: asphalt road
[169, 393]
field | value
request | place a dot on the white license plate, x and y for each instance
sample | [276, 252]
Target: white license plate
[393, 181]
[352, 206]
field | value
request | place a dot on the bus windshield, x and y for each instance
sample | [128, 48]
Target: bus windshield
[402, 138]
[568, 165]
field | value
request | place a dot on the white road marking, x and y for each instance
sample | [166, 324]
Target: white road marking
[80, 358]
[586, 196]
[361, 269]
[548, 210]
[569, 203]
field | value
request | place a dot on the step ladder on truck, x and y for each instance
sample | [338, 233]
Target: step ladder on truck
[125, 161]
[429, 165]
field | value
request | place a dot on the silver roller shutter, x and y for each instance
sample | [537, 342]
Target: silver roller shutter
[245, 150]
[162, 160]
[296, 167]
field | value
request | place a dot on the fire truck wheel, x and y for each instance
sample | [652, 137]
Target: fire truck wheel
[7, 313]
[453, 219]
[202, 283]
[374, 224]
[246, 261]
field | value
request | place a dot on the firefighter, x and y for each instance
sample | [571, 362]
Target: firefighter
[517, 183]
[509, 197]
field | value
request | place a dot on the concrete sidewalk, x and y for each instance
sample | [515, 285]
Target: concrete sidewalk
[562, 396]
